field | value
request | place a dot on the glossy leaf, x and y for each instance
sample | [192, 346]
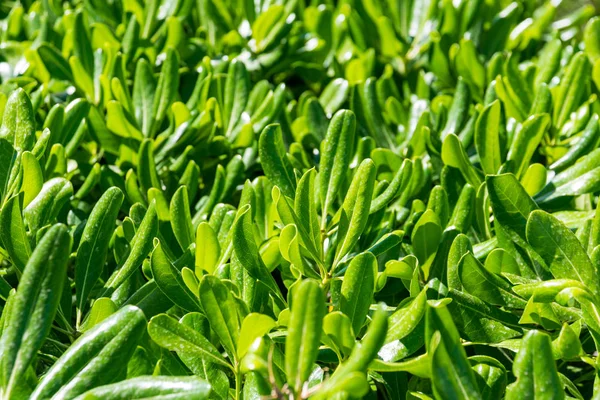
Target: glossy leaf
[535, 370]
[34, 306]
[302, 343]
[98, 357]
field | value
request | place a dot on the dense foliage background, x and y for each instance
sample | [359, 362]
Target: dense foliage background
[390, 199]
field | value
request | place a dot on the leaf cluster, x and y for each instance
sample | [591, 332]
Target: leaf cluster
[293, 199]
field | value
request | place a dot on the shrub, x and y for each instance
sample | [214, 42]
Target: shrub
[299, 199]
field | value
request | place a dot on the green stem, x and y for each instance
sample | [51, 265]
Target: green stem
[238, 384]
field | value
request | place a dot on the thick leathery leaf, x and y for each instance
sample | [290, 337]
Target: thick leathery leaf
[305, 326]
[170, 334]
[357, 289]
[93, 247]
[34, 306]
[535, 370]
[98, 357]
[274, 160]
[561, 250]
[337, 148]
[151, 387]
[12, 233]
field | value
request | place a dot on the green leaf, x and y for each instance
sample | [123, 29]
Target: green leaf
[399, 184]
[246, 251]
[207, 249]
[535, 370]
[274, 161]
[181, 219]
[237, 90]
[361, 357]
[451, 373]
[34, 306]
[458, 112]
[168, 278]
[45, 207]
[355, 210]
[166, 89]
[569, 93]
[97, 358]
[357, 289]
[334, 95]
[101, 309]
[480, 322]
[338, 333]
[525, 142]
[150, 387]
[305, 207]
[144, 88]
[140, 245]
[55, 62]
[567, 345]
[426, 236]
[254, 326]
[304, 332]
[561, 250]
[534, 179]
[146, 171]
[337, 151]
[405, 333]
[485, 285]
[580, 178]
[487, 139]
[93, 247]
[17, 134]
[12, 233]
[418, 366]
[510, 203]
[82, 48]
[33, 178]
[177, 337]
[454, 155]
[222, 312]
[590, 38]
[491, 376]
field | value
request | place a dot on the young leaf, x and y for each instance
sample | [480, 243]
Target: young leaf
[207, 249]
[305, 207]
